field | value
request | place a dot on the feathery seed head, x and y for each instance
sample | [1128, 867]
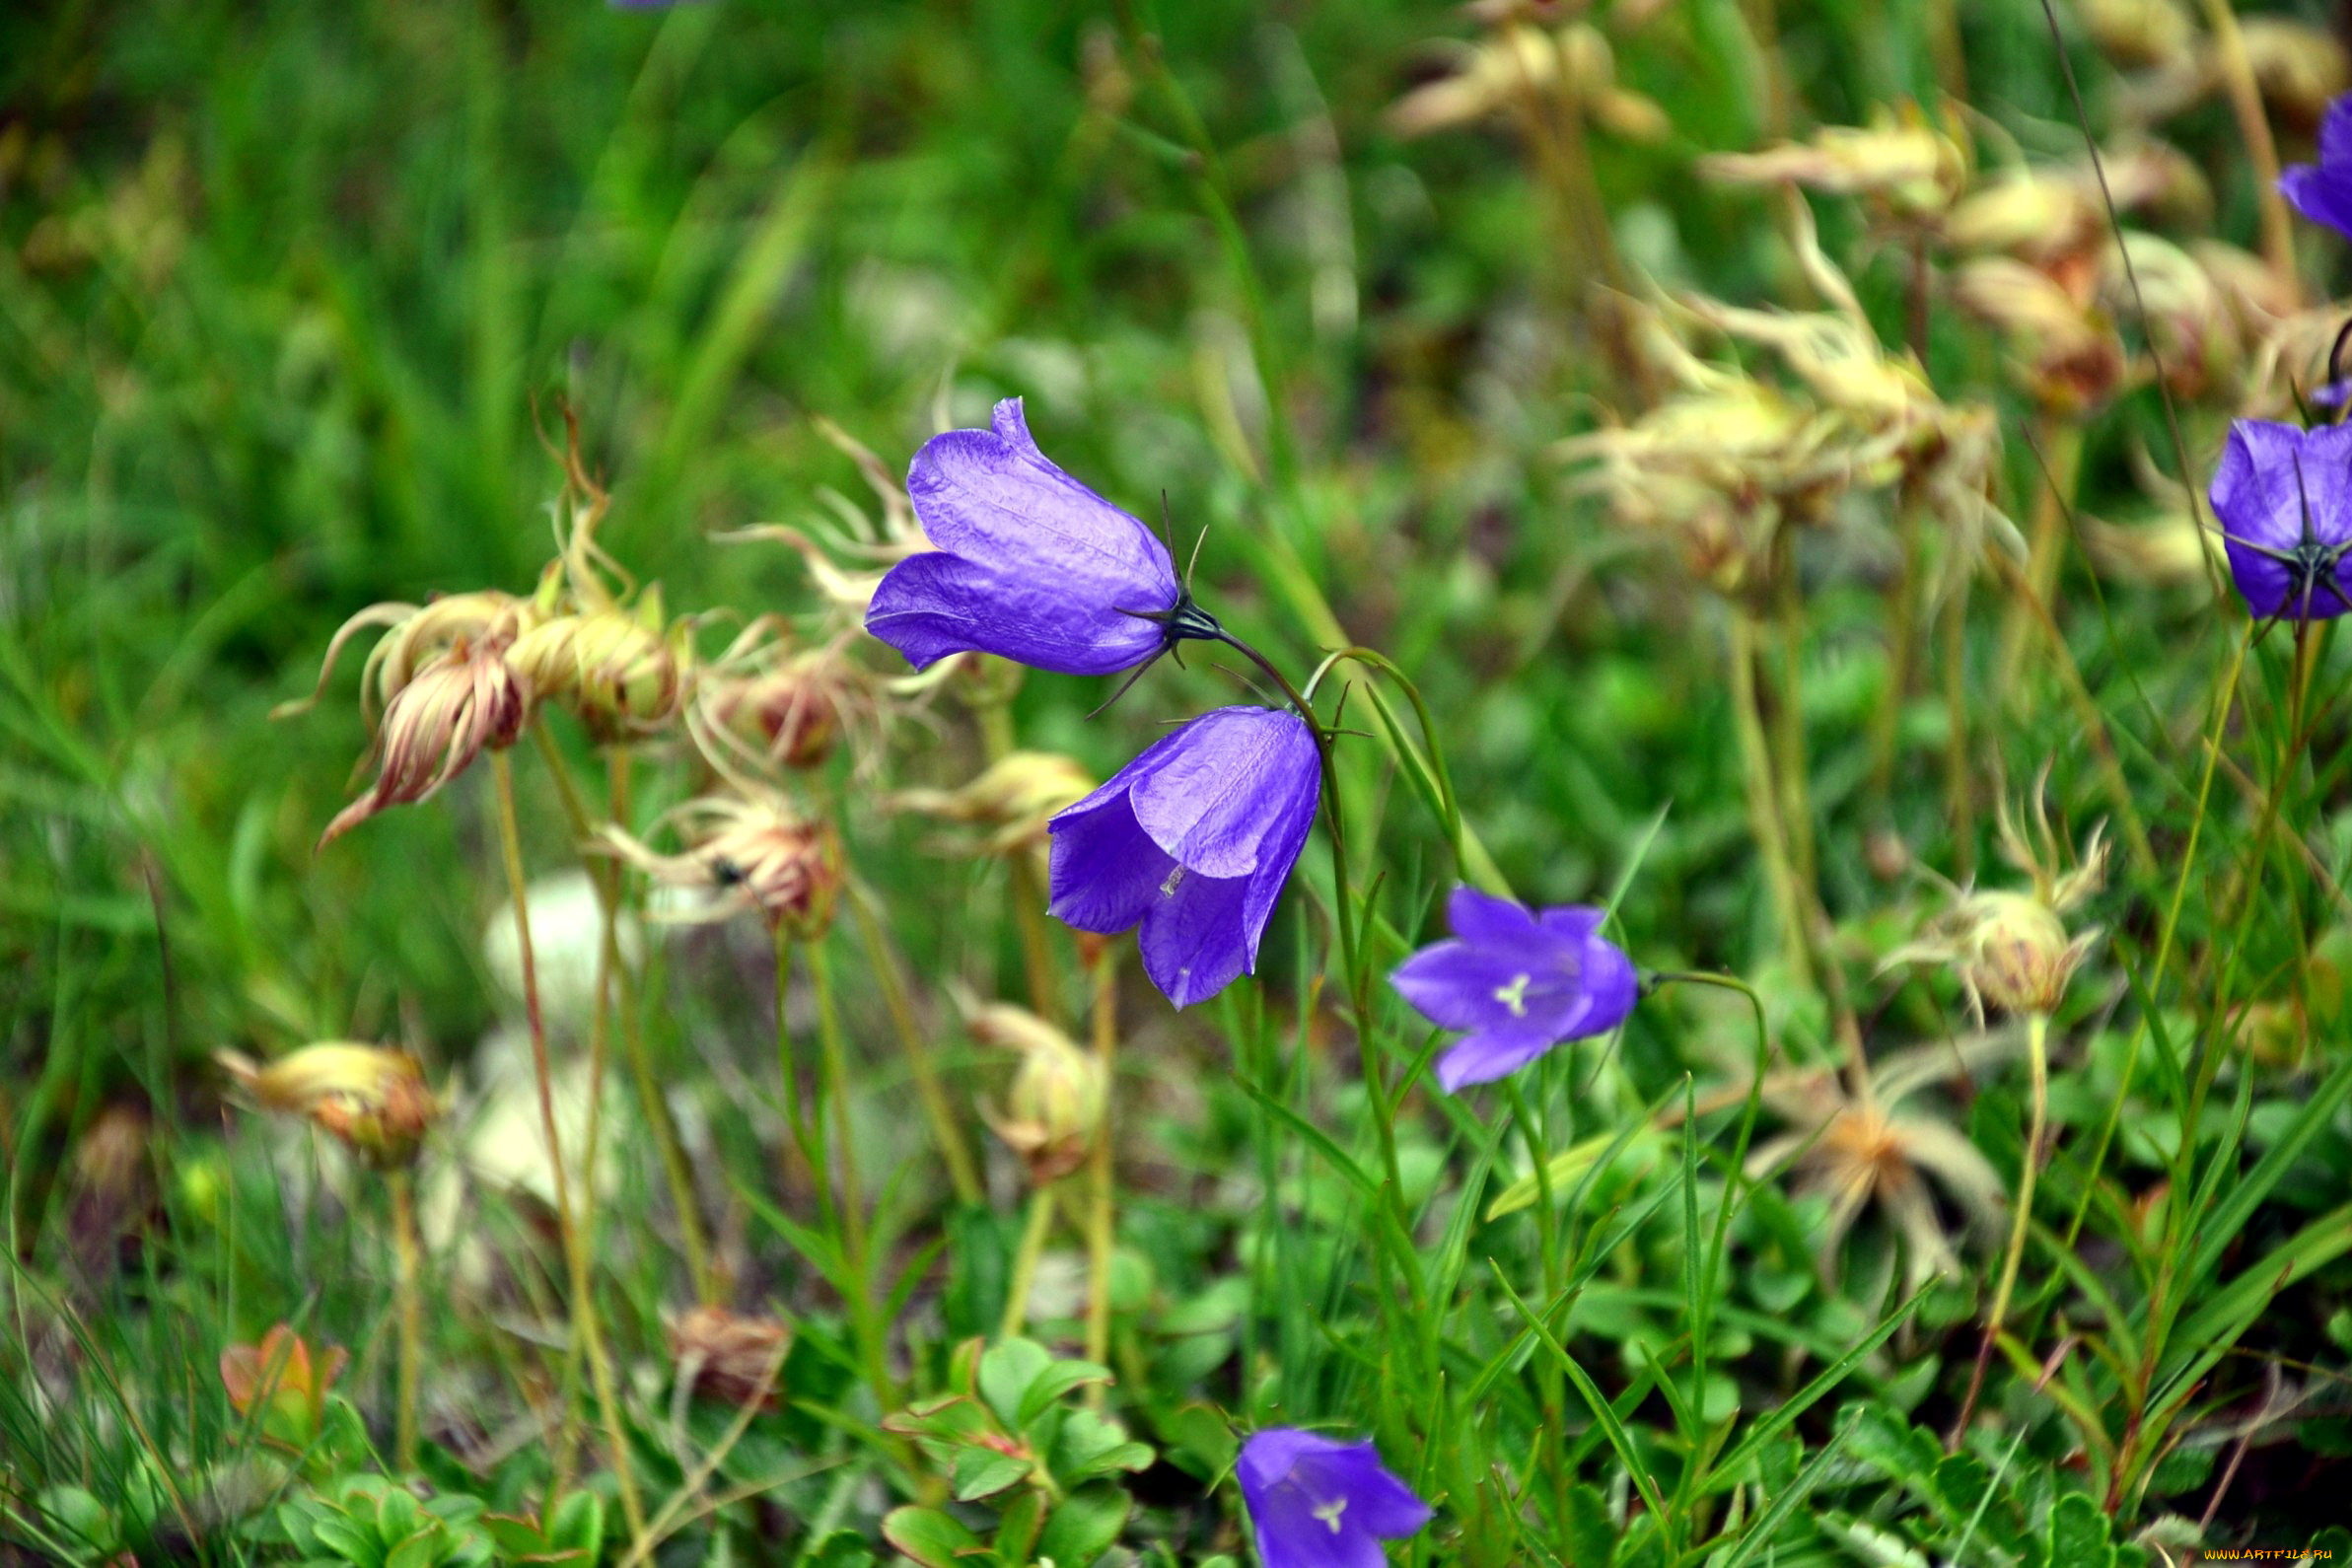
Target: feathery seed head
[374, 1100]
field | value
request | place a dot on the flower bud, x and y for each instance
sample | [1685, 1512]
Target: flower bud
[612, 667]
[1912, 169]
[283, 1377]
[1054, 1109]
[435, 724]
[2066, 353]
[374, 1101]
[418, 635]
[2016, 955]
[1014, 798]
[2138, 33]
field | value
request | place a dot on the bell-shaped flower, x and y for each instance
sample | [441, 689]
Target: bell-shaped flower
[1520, 980]
[1194, 840]
[2283, 500]
[2323, 191]
[1031, 565]
[1320, 1503]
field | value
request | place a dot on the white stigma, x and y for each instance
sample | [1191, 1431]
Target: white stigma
[1330, 1512]
[1168, 889]
[1515, 995]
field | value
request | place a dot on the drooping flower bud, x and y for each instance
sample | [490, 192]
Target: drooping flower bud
[615, 668]
[1013, 798]
[418, 636]
[1055, 1108]
[435, 724]
[2065, 352]
[748, 854]
[374, 1100]
[1908, 166]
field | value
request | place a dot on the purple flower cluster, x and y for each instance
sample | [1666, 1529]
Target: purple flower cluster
[2283, 499]
[1194, 839]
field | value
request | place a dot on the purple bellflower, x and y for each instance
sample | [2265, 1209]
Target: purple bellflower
[1031, 565]
[1520, 980]
[1316, 1503]
[1194, 840]
[2282, 498]
[2323, 191]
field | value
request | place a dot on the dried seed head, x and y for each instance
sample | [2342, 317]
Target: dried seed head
[749, 854]
[435, 725]
[729, 1357]
[419, 636]
[2195, 338]
[790, 714]
[2042, 216]
[2012, 949]
[614, 667]
[1013, 798]
[376, 1101]
[2298, 68]
[2064, 352]
[1054, 1109]
[1908, 167]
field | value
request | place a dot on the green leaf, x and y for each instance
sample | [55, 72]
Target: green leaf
[1007, 1369]
[843, 1548]
[1791, 1497]
[514, 1535]
[578, 1523]
[929, 1536]
[984, 1473]
[347, 1540]
[1779, 1420]
[2079, 1537]
[1054, 1382]
[1592, 1534]
[1084, 1527]
[1018, 1525]
[422, 1550]
[79, 1515]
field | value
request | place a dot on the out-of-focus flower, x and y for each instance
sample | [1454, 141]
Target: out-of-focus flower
[2194, 337]
[1031, 565]
[1319, 1503]
[2323, 191]
[1856, 1147]
[2064, 352]
[2012, 949]
[1908, 166]
[790, 714]
[1520, 980]
[2283, 499]
[2138, 33]
[1054, 1111]
[728, 1356]
[442, 718]
[1013, 798]
[2042, 216]
[1194, 839]
[374, 1100]
[2301, 70]
[284, 1378]
[2165, 552]
[1524, 69]
[748, 854]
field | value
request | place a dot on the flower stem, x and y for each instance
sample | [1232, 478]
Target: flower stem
[1101, 1232]
[2253, 124]
[410, 1307]
[963, 1174]
[2037, 1058]
[588, 1340]
[808, 1143]
[1027, 891]
[1763, 816]
[2062, 440]
[1024, 1262]
[1959, 801]
[833, 1080]
[609, 884]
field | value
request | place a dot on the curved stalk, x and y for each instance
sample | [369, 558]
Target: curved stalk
[963, 1174]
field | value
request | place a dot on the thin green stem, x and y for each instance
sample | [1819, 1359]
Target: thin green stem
[808, 1142]
[1027, 890]
[1764, 816]
[1101, 1232]
[590, 1341]
[410, 1310]
[963, 1173]
[1024, 1262]
[2038, 1059]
